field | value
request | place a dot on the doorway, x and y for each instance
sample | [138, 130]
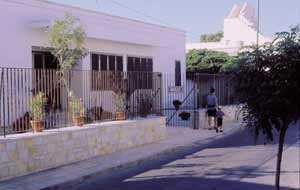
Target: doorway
[45, 78]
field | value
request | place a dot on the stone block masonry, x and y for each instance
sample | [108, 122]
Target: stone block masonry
[27, 153]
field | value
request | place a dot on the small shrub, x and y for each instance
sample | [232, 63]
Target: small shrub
[119, 101]
[76, 106]
[36, 107]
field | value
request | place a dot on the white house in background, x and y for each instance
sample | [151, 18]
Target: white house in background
[114, 44]
[240, 29]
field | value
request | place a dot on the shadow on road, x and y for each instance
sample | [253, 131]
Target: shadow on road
[183, 183]
[183, 170]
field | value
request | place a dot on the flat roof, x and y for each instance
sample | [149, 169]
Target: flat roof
[99, 13]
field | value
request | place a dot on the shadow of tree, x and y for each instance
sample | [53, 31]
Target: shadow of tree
[182, 183]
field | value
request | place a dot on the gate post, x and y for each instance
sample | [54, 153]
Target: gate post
[195, 103]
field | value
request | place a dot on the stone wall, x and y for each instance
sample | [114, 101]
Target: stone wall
[27, 153]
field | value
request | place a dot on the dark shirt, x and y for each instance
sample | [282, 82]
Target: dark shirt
[220, 114]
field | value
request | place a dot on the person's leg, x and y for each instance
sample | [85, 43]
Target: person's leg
[215, 122]
[221, 128]
[216, 125]
[221, 125]
[209, 122]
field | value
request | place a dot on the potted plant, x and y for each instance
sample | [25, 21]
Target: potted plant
[77, 110]
[185, 116]
[145, 105]
[119, 100]
[177, 104]
[36, 107]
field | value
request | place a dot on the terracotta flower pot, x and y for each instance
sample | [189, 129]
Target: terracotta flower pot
[78, 121]
[37, 126]
[120, 116]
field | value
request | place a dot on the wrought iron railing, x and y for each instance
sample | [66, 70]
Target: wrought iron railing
[94, 88]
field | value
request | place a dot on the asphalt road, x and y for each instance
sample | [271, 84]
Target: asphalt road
[220, 165]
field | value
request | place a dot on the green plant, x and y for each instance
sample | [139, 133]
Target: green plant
[36, 107]
[66, 37]
[268, 85]
[119, 101]
[76, 106]
[208, 61]
[215, 37]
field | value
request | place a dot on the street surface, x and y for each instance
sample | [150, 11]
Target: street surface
[232, 163]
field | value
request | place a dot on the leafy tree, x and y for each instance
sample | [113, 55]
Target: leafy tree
[268, 84]
[216, 37]
[66, 37]
[208, 61]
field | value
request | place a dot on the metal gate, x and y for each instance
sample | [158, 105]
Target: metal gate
[183, 105]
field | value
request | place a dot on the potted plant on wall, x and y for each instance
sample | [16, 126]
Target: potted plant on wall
[77, 110]
[119, 100]
[145, 104]
[185, 116]
[177, 104]
[36, 107]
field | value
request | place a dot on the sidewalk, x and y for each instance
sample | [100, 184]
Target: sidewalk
[177, 138]
[290, 170]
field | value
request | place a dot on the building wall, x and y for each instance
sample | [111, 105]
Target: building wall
[24, 25]
[28, 153]
[236, 30]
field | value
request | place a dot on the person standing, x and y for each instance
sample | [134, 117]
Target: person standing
[220, 115]
[211, 106]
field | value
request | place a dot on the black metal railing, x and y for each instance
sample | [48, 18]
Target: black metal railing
[94, 88]
[192, 95]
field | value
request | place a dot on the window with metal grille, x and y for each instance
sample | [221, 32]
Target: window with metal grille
[140, 72]
[177, 73]
[106, 71]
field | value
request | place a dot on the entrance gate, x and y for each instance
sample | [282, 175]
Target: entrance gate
[184, 106]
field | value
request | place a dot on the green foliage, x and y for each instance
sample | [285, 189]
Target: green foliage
[268, 84]
[216, 37]
[119, 100]
[66, 37]
[76, 106]
[208, 61]
[36, 106]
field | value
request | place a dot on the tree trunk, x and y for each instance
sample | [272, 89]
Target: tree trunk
[282, 133]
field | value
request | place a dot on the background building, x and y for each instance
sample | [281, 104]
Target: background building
[240, 29]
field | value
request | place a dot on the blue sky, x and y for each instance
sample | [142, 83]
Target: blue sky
[197, 16]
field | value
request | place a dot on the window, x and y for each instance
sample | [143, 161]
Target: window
[112, 63]
[95, 62]
[177, 73]
[140, 72]
[105, 80]
[139, 64]
[119, 63]
[103, 62]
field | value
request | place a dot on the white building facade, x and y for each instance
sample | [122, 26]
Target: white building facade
[24, 26]
[240, 29]
[113, 43]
